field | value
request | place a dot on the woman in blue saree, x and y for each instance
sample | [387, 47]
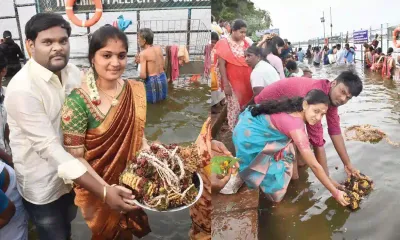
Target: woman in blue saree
[265, 139]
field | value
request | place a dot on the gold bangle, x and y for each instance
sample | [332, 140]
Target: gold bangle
[104, 193]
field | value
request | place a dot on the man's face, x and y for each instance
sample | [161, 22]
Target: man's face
[51, 48]
[251, 59]
[141, 41]
[339, 94]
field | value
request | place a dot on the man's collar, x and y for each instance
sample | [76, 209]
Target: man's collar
[39, 71]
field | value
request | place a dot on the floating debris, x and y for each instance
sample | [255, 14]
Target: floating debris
[367, 133]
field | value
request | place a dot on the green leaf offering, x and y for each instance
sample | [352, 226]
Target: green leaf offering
[221, 164]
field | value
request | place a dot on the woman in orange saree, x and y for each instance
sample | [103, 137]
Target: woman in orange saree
[103, 124]
[234, 71]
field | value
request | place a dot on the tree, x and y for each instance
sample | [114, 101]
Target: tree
[229, 10]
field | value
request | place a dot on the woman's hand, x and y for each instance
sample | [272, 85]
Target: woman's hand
[228, 90]
[145, 144]
[339, 196]
[219, 181]
[219, 149]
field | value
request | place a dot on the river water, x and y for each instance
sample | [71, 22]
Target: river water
[308, 212]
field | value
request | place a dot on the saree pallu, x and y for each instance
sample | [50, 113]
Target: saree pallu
[109, 149]
[266, 155]
[200, 212]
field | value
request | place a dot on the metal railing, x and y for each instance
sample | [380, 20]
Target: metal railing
[190, 32]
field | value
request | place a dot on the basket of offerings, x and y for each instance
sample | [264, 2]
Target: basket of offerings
[163, 178]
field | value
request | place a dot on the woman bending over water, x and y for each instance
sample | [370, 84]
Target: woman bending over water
[265, 137]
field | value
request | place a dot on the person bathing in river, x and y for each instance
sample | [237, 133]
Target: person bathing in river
[309, 55]
[389, 65]
[349, 54]
[340, 55]
[292, 70]
[300, 55]
[377, 60]
[368, 55]
[317, 56]
[347, 85]
[263, 73]
[265, 137]
[152, 67]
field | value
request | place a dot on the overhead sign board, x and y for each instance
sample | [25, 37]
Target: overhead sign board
[360, 37]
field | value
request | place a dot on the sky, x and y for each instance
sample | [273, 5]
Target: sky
[299, 20]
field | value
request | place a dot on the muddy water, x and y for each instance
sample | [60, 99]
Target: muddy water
[309, 212]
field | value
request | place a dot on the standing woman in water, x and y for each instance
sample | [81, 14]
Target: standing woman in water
[234, 71]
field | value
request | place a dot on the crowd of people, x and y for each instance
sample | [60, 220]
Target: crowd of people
[328, 56]
[377, 61]
[275, 110]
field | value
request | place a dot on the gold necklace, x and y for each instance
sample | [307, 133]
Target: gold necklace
[114, 100]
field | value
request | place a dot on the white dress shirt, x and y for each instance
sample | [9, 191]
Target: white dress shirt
[34, 100]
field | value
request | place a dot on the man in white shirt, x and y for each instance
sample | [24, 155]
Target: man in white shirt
[263, 73]
[45, 171]
[340, 55]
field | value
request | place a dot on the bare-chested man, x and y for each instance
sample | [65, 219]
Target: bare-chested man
[152, 67]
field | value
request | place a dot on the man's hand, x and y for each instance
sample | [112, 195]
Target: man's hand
[137, 58]
[117, 199]
[350, 170]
